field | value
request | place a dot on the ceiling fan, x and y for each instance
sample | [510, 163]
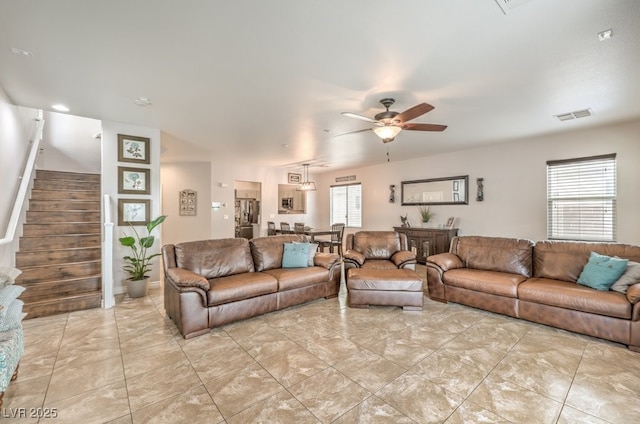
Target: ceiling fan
[390, 123]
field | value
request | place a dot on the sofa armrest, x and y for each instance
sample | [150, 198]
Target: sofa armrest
[403, 257]
[185, 278]
[354, 257]
[633, 293]
[446, 261]
[326, 260]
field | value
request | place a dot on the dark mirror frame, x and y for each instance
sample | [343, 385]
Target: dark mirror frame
[434, 185]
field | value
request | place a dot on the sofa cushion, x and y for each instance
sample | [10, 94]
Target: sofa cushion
[492, 282]
[602, 271]
[569, 295]
[376, 244]
[295, 255]
[7, 295]
[294, 278]
[215, 258]
[565, 260]
[630, 277]
[240, 287]
[267, 251]
[513, 256]
[378, 264]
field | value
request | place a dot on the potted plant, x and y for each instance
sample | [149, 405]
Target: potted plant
[426, 215]
[139, 262]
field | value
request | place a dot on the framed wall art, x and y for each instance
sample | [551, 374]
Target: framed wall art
[188, 202]
[134, 180]
[134, 211]
[294, 178]
[133, 149]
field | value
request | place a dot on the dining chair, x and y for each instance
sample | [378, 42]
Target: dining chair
[285, 228]
[298, 227]
[336, 239]
[271, 228]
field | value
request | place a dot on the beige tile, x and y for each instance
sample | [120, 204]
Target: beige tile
[515, 403]
[267, 344]
[419, 399]
[331, 348]
[570, 415]
[470, 413]
[96, 406]
[279, 408]
[453, 375]
[160, 384]
[151, 358]
[234, 392]
[374, 411]
[471, 353]
[229, 361]
[67, 381]
[94, 350]
[405, 353]
[369, 370]
[329, 394]
[293, 366]
[213, 344]
[191, 407]
[22, 397]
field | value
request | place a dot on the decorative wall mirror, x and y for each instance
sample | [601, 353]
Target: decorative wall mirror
[290, 200]
[436, 191]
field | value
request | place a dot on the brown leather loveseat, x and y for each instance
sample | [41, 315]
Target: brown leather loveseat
[209, 283]
[537, 282]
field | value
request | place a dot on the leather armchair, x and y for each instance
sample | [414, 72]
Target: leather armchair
[378, 250]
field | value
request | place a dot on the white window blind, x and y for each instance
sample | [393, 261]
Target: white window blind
[581, 199]
[346, 205]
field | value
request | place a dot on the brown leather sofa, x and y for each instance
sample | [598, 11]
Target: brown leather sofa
[209, 283]
[378, 250]
[537, 282]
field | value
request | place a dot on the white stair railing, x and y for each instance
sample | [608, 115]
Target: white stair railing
[25, 182]
[108, 298]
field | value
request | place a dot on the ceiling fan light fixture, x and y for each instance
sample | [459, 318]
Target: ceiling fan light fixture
[388, 132]
[306, 185]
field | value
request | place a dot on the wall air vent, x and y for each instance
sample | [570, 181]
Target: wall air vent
[574, 115]
[508, 5]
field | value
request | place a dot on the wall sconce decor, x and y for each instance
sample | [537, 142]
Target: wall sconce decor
[392, 194]
[480, 195]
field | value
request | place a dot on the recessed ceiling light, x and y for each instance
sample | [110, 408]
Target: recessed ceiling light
[22, 52]
[142, 101]
[284, 146]
[60, 108]
[605, 35]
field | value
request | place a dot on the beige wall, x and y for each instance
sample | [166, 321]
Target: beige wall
[514, 179]
[175, 178]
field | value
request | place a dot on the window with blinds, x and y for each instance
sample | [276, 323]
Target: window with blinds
[346, 205]
[581, 199]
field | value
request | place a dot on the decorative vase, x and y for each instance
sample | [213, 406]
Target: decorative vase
[137, 288]
[425, 225]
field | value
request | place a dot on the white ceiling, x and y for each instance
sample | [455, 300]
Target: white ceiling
[240, 79]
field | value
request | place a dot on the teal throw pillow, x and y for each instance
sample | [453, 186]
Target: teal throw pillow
[602, 271]
[7, 295]
[13, 316]
[313, 248]
[295, 255]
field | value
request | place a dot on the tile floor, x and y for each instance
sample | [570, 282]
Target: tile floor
[319, 362]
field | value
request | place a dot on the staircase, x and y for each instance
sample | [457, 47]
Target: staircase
[60, 250]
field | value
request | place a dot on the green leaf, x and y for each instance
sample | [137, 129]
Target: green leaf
[127, 241]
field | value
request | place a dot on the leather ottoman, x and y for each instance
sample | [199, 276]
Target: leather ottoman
[389, 287]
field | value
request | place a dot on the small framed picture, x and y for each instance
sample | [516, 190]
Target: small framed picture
[134, 211]
[189, 202]
[451, 222]
[134, 180]
[294, 178]
[133, 149]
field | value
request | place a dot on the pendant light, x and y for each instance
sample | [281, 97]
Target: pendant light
[306, 185]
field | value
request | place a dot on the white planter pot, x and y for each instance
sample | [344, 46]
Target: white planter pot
[137, 288]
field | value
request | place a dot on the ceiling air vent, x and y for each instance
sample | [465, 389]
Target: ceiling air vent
[508, 5]
[574, 115]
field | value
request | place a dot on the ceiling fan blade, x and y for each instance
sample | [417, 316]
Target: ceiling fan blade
[353, 132]
[414, 112]
[424, 127]
[361, 117]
